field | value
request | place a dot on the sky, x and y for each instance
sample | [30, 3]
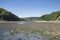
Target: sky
[30, 8]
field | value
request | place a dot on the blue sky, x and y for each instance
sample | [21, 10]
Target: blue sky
[30, 8]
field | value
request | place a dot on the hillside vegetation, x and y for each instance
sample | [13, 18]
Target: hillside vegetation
[52, 16]
[47, 17]
[8, 16]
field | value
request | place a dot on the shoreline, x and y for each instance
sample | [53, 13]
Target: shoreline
[27, 21]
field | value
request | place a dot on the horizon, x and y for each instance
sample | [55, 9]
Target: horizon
[30, 8]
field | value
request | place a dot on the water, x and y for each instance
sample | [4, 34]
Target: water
[6, 33]
[24, 22]
[9, 34]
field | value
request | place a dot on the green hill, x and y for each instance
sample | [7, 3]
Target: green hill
[47, 17]
[8, 16]
[51, 17]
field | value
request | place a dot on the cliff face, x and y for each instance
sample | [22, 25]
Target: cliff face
[8, 16]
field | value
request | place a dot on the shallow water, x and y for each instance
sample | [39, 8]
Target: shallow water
[9, 34]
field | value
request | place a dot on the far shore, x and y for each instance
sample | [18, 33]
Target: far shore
[28, 21]
[48, 21]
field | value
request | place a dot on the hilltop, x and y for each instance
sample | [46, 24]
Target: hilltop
[47, 17]
[8, 16]
[51, 17]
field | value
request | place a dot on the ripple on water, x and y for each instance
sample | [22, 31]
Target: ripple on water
[22, 36]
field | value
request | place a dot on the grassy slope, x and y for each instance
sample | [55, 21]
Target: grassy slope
[47, 17]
